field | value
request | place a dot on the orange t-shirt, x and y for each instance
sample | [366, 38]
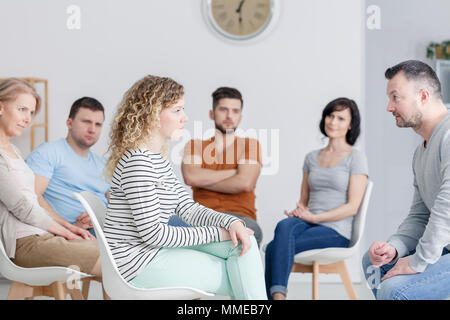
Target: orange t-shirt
[242, 149]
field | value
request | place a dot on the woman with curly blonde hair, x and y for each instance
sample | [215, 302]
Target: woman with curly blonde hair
[145, 193]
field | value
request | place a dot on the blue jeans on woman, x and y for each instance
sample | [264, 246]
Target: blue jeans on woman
[292, 236]
[433, 283]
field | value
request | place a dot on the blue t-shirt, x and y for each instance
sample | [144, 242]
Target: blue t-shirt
[68, 173]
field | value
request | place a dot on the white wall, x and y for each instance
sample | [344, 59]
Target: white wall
[315, 54]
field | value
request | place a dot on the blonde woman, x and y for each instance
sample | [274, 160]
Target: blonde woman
[32, 237]
[145, 193]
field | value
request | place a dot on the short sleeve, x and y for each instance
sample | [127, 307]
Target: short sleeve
[307, 164]
[359, 164]
[41, 161]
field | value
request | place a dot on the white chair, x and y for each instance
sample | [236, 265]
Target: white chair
[331, 260]
[28, 283]
[113, 283]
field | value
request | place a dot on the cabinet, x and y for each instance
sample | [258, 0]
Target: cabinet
[443, 73]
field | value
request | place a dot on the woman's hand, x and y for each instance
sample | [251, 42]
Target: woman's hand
[83, 233]
[59, 230]
[239, 232]
[303, 213]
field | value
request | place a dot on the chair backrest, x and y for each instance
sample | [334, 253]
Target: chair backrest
[359, 220]
[97, 205]
[113, 282]
[112, 279]
[6, 264]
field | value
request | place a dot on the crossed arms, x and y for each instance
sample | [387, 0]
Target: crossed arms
[232, 181]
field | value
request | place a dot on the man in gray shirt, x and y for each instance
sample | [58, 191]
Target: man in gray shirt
[421, 245]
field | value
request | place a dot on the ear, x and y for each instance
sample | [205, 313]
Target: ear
[1, 108]
[69, 123]
[211, 114]
[424, 96]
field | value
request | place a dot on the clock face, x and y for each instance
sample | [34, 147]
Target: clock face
[240, 19]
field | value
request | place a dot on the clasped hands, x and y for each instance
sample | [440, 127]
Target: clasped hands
[302, 212]
[381, 253]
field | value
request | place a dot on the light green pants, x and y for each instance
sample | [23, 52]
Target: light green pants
[213, 267]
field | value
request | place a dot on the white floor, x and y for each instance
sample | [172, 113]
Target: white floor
[297, 290]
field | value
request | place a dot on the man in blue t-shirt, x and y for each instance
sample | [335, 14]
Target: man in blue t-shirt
[67, 165]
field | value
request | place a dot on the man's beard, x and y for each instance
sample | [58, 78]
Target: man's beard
[414, 122]
[82, 144]
[223, 130]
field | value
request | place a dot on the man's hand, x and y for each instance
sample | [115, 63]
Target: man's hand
[84, 221]
[401, 267]
[381, 253]
[239, 232]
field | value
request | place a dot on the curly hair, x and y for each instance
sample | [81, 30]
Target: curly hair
[138, 115]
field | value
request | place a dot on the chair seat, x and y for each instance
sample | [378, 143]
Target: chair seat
[43, 276]
[168, 293]
[324, 256]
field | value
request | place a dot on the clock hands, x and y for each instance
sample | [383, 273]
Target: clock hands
[238, 10]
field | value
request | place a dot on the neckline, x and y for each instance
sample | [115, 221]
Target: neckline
[4, 153]
[73, 151]
[146, 150]
[337, 164]
[436, 128]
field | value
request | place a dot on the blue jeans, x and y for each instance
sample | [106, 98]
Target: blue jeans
[175, 221]
[433, 283]
[292, 236]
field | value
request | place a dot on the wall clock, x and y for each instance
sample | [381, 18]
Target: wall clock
[241, 20]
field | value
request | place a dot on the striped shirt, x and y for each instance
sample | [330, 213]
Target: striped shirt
[144, 194]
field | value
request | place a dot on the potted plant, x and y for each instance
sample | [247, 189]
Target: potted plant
[440, 50]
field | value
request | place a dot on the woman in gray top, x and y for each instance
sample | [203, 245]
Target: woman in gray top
[334, 181]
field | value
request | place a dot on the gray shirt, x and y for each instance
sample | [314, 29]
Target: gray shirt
[329, 186]
[427, 226]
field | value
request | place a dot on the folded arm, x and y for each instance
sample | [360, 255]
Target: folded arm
[242, 179]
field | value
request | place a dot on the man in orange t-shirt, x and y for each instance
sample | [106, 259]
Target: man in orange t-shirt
[223, 170]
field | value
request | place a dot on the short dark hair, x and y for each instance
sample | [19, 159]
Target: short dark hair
[417, 71]
[85, 102]
[226, 92]
[340, 104]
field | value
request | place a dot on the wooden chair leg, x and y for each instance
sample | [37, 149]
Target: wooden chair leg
[58, 290]
[342, 270]
[86, 285]
[19, 290]
[315, 282]
[73, 290]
